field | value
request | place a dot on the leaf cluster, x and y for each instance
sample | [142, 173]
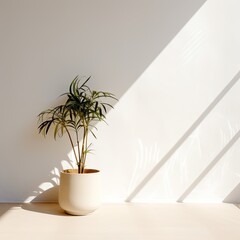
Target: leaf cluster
[82, 107]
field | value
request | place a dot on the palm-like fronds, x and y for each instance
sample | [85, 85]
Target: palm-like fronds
[82, 107]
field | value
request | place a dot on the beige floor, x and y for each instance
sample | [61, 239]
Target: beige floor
[122, 221]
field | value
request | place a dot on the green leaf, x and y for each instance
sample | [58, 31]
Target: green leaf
[105, 109]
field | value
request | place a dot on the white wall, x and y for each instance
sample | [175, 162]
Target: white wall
[173, 135]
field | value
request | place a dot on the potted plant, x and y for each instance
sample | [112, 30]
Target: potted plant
[79, 192]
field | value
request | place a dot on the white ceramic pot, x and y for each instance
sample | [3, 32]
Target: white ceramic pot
[79, 194]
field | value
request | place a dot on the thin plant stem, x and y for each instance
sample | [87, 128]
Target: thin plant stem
[78, 147]
[86, 146]
[83, 147]
[69, 135]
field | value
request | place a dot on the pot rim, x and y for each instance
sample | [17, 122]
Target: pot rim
[75, 171]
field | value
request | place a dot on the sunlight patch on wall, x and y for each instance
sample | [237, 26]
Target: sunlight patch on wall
[165, 101]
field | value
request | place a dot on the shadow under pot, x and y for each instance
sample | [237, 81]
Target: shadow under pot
[79, 194]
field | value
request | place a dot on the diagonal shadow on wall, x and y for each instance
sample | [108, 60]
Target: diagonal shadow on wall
[184, 137]
[233, 196]
[209, 167]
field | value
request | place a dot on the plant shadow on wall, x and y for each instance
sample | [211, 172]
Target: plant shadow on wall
[48, 191]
